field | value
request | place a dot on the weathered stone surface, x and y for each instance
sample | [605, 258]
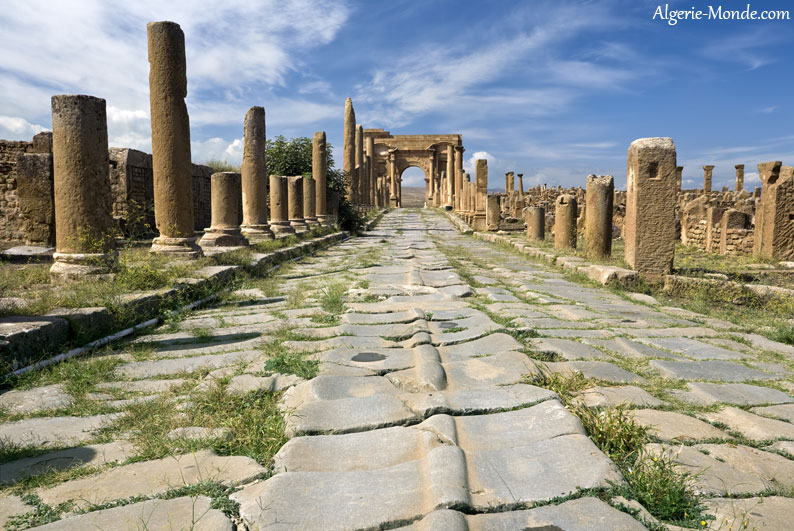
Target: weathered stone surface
[785, 412]
[144, 386]
[570, 350]
[721, 371]
[693, 348]
[703, 393]
[54, 431]
[94, 455]
[614, 396]
[244, 383]
[752, 426]
[768, 512]
[17, 402]
[668, 426]
[600, 370]
[11, 505]
[629, 348]
[148, 369]
[153, 477]
[199, 432]
[24, 337]
[154, 515]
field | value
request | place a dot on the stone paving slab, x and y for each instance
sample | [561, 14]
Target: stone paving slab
[669, 426]
[768, 512]
[720, 371]
[630, 348]
[92, 455]
[692, 348]
[153, 477]
[706, 394]
[151, 368]
[570, 350]
[600, 370]
[144, 386]
[18, 402]
[11, 505]
[195, 514]
[615, 396]
[752, 426]
[783, 412]
[48, 432]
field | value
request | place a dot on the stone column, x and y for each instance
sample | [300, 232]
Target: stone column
[254, 177]
[536, 223]
[649, 226]
[707, 178]
[319, 173]
[349, 151]
[450, 176]
[458, 175]
[739, 177]
[369, 144]
[438, 192]
[510, 181]
[295, 204]
[226, 190]
[481, 191]
[84, 227]
[430, 195]
[279, 214]
[565, 222]
[35, 196]
[309, 203]
[679, 177]
[392, 178]
[521, 185]
[765, 212]
[359, 161]
[492, 213]
[598, 216]
[173, 179]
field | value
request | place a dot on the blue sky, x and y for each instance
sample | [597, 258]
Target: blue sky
[555, 90]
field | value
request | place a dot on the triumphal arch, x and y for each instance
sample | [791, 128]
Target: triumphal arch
[440, 157]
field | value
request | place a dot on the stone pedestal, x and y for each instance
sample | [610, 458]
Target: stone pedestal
[224, 231]
[649, 227]
[492, 213]
[84, 239]
[598, 216]
[173, 181]
[279, 217]
[536, 223]
[309, 198]
[254, 178]
[295, 204]
[565, 222]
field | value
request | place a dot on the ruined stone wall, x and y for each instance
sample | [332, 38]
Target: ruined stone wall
[737, 242]
[11, 226]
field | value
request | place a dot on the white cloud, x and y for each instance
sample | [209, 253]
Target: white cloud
[14, 127]
[470, 164]
[744, 49]
[217, 149]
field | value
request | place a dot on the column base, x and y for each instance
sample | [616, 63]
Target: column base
[176, 247]
[312, 222]
[299, 225]
[281, 229]
[393, 201]
[223, 238]
[325, 221]
[257, 232]
[75, 266]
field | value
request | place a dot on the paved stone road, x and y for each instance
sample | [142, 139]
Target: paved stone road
[420, 417]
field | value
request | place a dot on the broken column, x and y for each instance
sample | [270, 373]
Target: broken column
[295, 204]
[707, 178]
[458, 176]
[173, 180]
[309, 203]
[649, 226]
[480, 193]
[521, 185]
[319, 173]
[359, 163]
[565, 222]
[84, 236]
[450, 186]
[369, 145]
[774, 217]
[393, 199]
[35, 193]
[224, 231]
[254, 177]
[536, 223]
[279, 214]
[739, 177]
[492, 213]
[679, 177]
[598, 216]
[349, 151]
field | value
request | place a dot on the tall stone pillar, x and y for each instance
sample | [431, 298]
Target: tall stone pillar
[359, 162]
[309, 203]
[492, 213]
[279, 213]
[765, 213]
[707, 170]
[679, 177]
[319, 173]
[536, 223]
[226, 192]
[509, 182]
[521, 185]
[449, 190]
[598, 216]
[481, 191]
[84, 235]
[649, 226]
[254, 177]
[438, 192]
[295, 204]
[565, 222]
[173, 179]
[392, 178]
[739, 177]
[430, 196]
[371, 176]
[458, 176]
[349, 151]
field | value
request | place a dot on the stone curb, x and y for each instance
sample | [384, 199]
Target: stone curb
[24, 339]
[603, 274]
[674, 283]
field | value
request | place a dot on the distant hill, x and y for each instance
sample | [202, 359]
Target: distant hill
[413, 196]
